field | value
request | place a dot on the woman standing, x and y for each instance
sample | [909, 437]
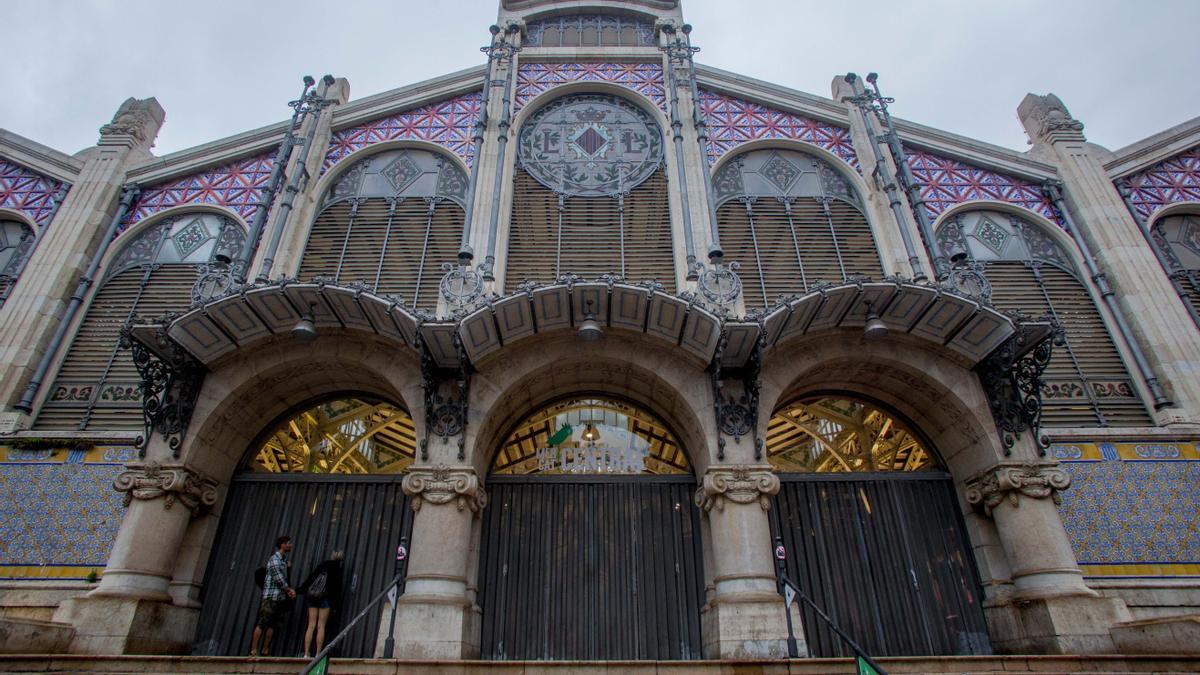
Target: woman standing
[323, 590]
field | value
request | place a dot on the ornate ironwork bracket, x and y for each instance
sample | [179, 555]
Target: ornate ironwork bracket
[445, 415]
[1012, 380]
[171, 380]
[737, 414]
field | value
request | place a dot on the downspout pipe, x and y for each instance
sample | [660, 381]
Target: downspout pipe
[506, 54]
[884, 179]
[715, 253]
[295, 184]
[1170, 267]
[1053, 191]
[246, 254]
[677, 137]
[909, 182]
[465, 253]
[129, 194]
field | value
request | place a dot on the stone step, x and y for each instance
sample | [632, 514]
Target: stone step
[975, 665]
[22, 636]
[1177, 633]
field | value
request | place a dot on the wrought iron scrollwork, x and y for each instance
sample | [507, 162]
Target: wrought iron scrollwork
[171, 380]
[1012, 380]
[737, 414]
[461, 286]
[446, 416]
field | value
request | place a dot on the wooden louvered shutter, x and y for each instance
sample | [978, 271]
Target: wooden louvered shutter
[398, 252]
[1191, 287]
[1087, 383]
[97, 385]
[595, 237]
[779, 257]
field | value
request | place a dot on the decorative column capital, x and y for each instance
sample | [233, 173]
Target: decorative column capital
[738, 484]
[172, 482]
[1011, 480]
[442, 484]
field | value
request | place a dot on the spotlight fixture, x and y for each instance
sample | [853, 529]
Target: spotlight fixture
[590, 330]
[958, 254]
[309, 81]
[875, 328]
[328, 80]
[305, 330]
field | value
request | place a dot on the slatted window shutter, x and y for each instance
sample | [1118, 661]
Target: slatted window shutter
[97, 385]
[1087, 383]
[397, 252]
[782, 256]
[595, 236]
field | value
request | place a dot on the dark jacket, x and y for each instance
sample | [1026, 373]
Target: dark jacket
[333, 582]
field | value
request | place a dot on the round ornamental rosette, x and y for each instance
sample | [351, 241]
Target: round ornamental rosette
[590, 145]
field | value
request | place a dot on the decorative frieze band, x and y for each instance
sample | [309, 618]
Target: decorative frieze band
[737, 484]
[172, 482]
[1010, 481]
[441, 484]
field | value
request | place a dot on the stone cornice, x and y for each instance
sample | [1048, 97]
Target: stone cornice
[404, 98]
[742, 484]
[442, 484]
[171, 482]
[1149, 151]
[792, 100]
[1013, 480]
[201, 157]
[34, 155]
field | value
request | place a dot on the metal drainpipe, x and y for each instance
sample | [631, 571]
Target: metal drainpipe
[889, 186]
[1051, 189]
[1167, 264]
[128, 194]
[684, 202]
[909, 182]
[489, 262]
[300, 175]
[715, 254]
[465, 253]
[242, 265]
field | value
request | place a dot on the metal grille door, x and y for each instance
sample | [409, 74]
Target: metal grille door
[886, 558]
[591, 568]
[363, 516]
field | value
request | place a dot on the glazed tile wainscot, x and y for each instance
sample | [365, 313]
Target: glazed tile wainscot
[1131, 510]
[61, 512]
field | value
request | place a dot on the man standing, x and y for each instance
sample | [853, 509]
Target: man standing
[276, 594]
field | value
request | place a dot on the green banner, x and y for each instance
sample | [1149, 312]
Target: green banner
[562, 435]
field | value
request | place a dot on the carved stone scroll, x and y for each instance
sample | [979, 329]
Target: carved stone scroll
[171, 482]
[737, 484]
[441, 485]
[1011, 481]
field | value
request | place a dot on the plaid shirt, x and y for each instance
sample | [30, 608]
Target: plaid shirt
[277, 582]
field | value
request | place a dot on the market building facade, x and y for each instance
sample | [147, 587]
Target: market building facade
[590, 328]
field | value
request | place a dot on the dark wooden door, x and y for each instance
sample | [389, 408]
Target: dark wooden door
[363, 516]
[591, 568]
[885, 556]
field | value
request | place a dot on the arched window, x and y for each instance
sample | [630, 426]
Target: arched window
[342, 435]
[97, 386]
[792, 221]
[590, 196]
[390, 221]
[591, 30]
[16, 241]
[1178, 237]
[1087, 383]
[840, 435]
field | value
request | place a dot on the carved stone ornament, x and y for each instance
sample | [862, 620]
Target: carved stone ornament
[1049, 118]
[1036, 480]
[441, 485]
[738, 484]
[138, 119]
[172, 482]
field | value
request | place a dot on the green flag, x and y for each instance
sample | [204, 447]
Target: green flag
[865, 668]
[322, 667]
[561, 435]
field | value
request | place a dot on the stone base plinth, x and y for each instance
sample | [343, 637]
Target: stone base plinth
[29, 636]
[432, 628]
[748, 628]
[1076, 624]
[1168, 635]
[108, 625]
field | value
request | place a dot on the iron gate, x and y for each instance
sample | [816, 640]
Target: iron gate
[886, 557]
[591, 567]
[360, 515]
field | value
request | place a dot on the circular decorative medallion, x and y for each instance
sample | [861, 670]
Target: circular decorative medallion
[590, 145]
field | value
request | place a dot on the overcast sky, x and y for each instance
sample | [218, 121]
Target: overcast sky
[1126, 69]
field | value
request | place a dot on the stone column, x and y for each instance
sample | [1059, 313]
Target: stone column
[1159, 322]
[437, 617]
[744, 618]
[1051, 610]
[131, 611]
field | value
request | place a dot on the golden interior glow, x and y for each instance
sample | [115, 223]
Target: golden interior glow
[829, 435]
[348, 435]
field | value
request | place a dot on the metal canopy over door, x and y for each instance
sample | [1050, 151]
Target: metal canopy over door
[885, 556]
[591, 567]
[361, 515]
